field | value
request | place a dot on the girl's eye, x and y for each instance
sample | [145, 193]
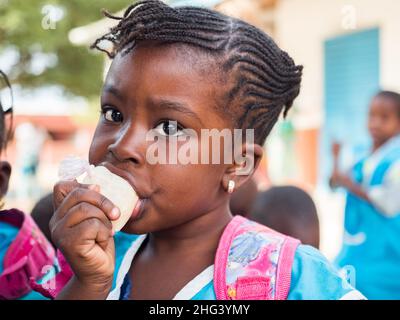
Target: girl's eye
[169, 128]
[112, 115]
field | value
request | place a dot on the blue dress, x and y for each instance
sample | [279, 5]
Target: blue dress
[371, 250]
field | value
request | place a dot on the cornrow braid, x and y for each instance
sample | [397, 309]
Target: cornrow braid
[265, 79]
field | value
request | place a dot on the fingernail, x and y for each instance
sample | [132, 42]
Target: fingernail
[115, 212]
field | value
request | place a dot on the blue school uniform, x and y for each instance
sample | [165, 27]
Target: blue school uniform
[313, 277]
[372, 230]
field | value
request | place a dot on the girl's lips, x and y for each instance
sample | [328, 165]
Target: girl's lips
[138, 208]
[128, 177]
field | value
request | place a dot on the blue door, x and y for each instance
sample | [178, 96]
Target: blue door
[351, 79]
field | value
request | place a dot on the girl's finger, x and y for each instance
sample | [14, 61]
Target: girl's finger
[84, 211]
[88, 230]
[83, 194]
[92, 229]
[63, 188]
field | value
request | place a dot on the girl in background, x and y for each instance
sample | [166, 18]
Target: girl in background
[371, 252]
[26, 257]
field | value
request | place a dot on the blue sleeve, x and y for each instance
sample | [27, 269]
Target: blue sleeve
[7, 236]
[315, 278]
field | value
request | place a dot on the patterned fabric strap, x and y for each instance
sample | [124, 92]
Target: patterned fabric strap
[253, 262]
[27, 258]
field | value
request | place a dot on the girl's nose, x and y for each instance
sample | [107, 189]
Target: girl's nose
[130, 145]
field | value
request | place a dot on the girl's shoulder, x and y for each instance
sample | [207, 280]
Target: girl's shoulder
[315, 278]
[259, 256]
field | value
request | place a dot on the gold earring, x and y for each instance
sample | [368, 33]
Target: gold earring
[2, 203]
[231, 186]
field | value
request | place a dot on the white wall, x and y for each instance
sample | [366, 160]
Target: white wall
[302, 26]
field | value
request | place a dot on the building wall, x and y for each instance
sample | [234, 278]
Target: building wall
[256, 12]
[302, 26]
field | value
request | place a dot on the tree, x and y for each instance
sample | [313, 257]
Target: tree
[36, 34]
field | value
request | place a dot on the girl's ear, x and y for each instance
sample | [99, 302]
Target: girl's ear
[5, 173]
[244, 164]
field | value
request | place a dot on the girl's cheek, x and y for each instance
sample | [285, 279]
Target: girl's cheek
[175, 180]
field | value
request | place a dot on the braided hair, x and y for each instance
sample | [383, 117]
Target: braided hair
[265, 79]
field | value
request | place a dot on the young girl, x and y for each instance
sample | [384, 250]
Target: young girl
[26, 257]
[372, 212]
[175, 70]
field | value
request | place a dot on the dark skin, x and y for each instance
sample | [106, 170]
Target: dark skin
[5, 173]
[383, 124]
[186, 207]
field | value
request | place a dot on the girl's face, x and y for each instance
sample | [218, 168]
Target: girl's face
[143, 91]
[383, 120]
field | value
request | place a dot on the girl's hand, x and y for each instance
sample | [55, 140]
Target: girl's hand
[82, 230]
[336, 147]
[338, 179]
[335, 178]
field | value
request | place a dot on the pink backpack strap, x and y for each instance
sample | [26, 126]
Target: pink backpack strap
[253, 262]
[284, 272]
[27, 258]
[221, 259]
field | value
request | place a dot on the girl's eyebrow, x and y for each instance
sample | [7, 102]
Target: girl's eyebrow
[176, 106]
[114, 91]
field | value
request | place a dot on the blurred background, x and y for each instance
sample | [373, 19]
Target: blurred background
[349, 49]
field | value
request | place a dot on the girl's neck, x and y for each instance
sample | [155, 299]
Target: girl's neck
[377, 144]
[202, 233]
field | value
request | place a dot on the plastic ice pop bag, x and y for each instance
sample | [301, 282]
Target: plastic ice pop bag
[112, 186]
